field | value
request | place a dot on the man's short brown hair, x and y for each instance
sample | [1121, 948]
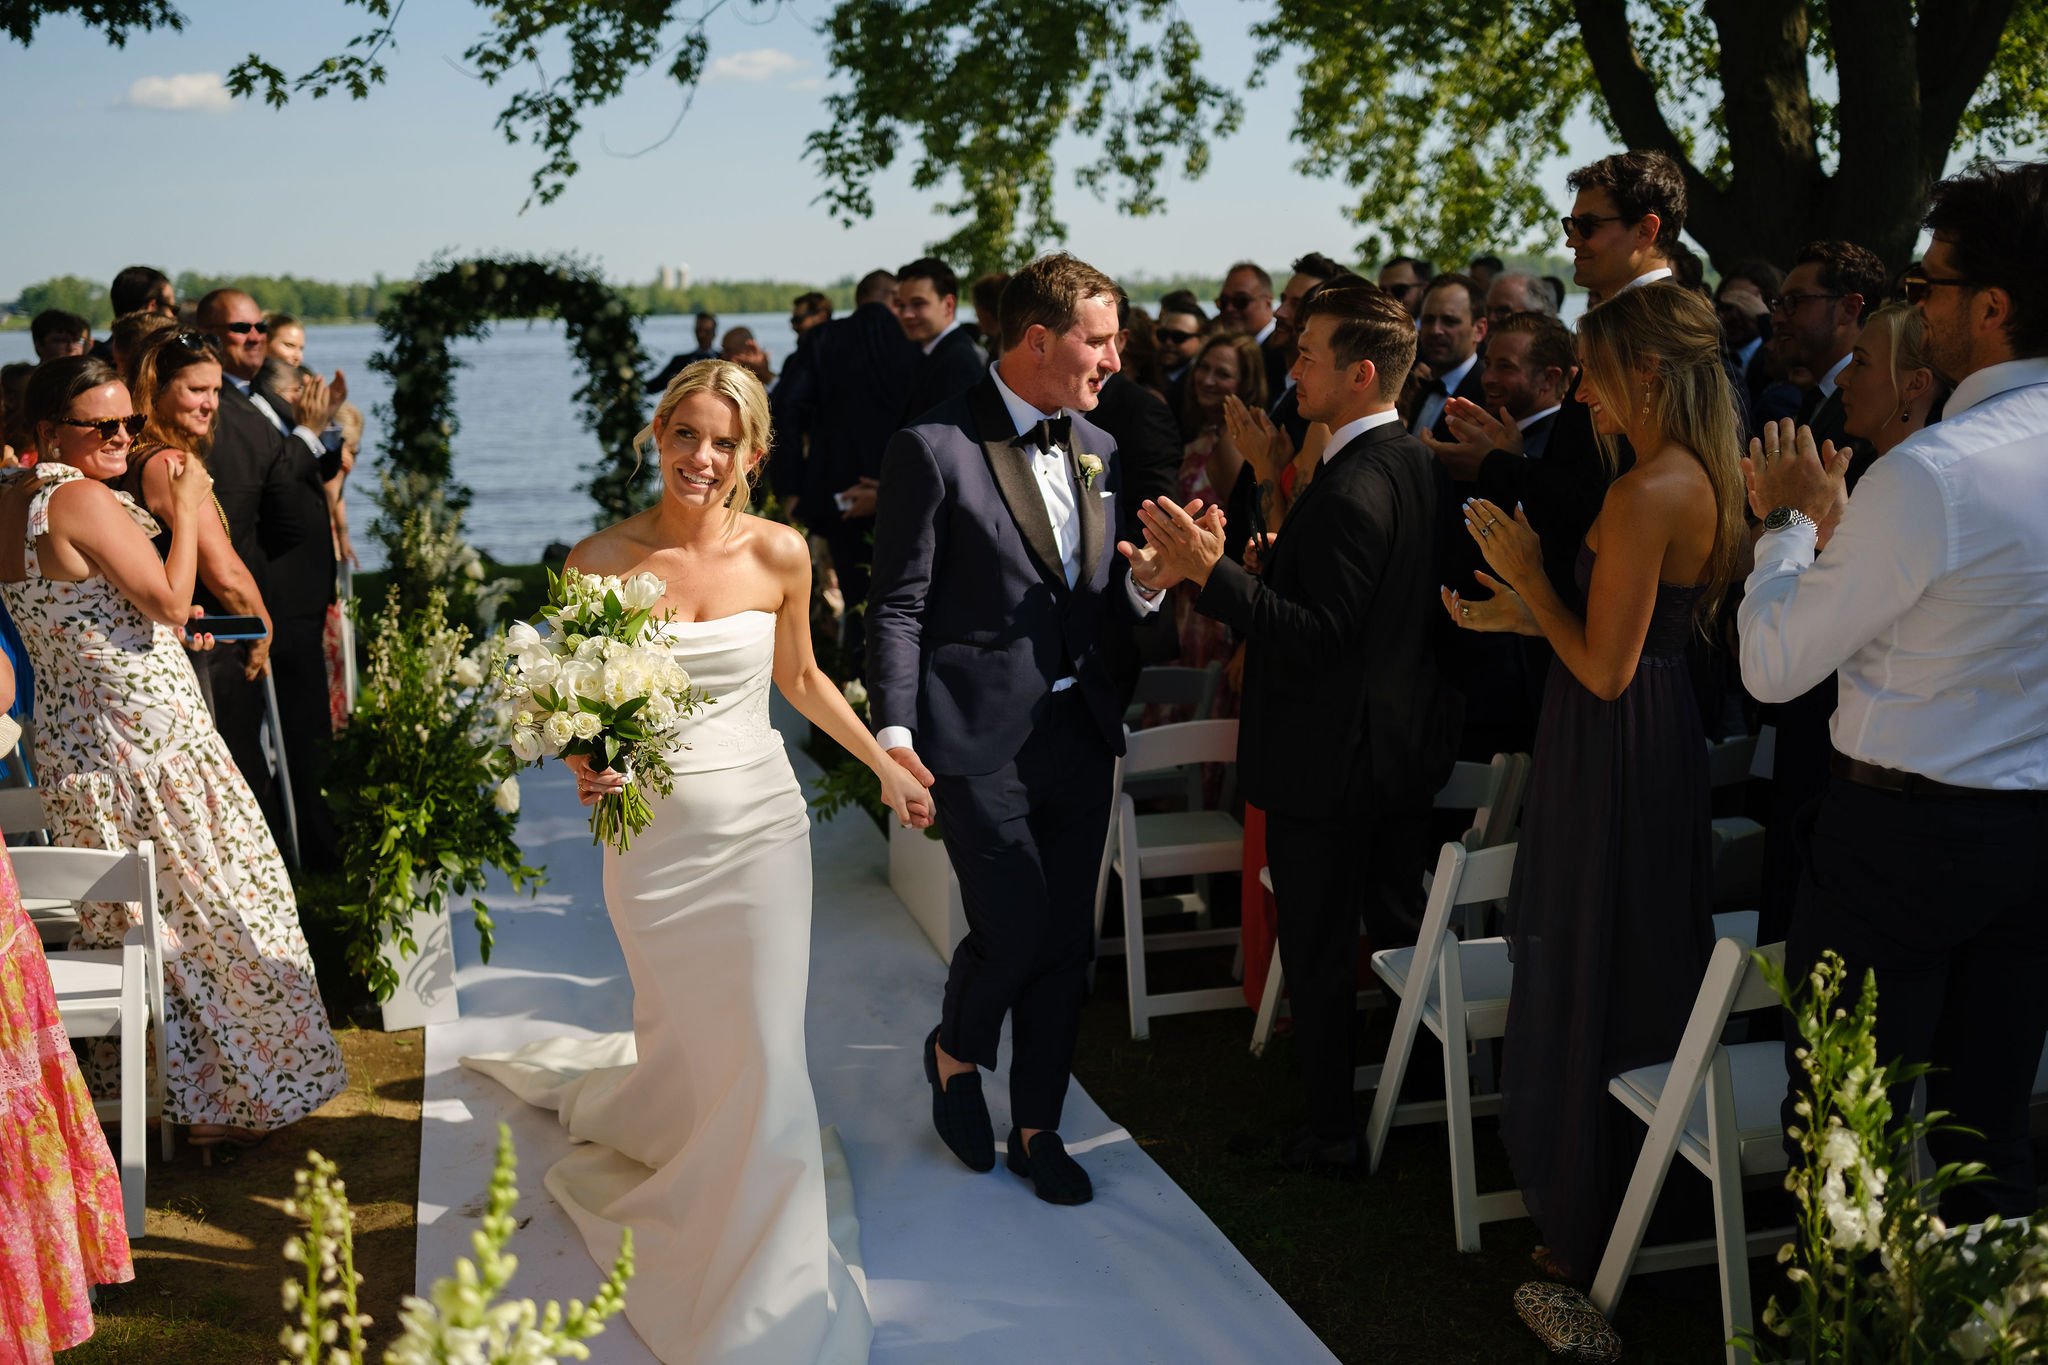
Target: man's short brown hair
[1049, 293]
[1550, 341]
[1639, 182]
[1368, 325]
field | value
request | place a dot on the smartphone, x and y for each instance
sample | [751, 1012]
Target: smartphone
[227, 627]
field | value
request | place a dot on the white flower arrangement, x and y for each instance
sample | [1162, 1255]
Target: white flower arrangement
[462, 1321]
[601, 684]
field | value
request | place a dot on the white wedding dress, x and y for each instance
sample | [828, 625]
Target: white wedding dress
[699, 1128]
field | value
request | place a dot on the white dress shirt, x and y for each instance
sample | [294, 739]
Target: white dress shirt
[1834, 374]
[1057, 486]
[933, 344]
[305, 433]
[1433, 405]
[1932, 600]
[1524, 423]
[1352, 430]
[1266, 331]
[1662, 272]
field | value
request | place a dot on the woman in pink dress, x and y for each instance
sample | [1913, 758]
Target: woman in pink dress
[60, 1193]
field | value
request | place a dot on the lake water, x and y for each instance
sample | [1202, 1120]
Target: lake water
[520, 447]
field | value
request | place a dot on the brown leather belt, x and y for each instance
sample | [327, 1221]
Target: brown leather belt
[1913, 784]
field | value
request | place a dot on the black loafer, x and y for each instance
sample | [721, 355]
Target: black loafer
[1057, 1177]
[959, 1112]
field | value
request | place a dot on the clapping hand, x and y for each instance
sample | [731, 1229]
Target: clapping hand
[1509, 544]
[1181, 543]
[1264, 445]
[1784, 469]
[1503, 613]
[1475, 433]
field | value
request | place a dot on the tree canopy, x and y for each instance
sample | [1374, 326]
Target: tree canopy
[1793, 119]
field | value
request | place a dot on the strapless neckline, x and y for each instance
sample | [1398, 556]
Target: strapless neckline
[716, 620]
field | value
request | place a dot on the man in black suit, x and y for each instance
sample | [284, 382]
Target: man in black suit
[994, 565]
[270, 487]
[1245, 304]
[1148, 455]
[1742, 305]
[1347, 726]
[928, 306]
[706, 328]
[138, 289]
[1449, 334]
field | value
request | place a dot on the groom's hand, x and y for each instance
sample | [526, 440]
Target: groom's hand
[908, 760]
[1148, 565]
[1186, 541]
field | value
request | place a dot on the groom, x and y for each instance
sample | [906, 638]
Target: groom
[995, 563]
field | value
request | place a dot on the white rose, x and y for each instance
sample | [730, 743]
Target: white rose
[558, 728]
[642, 591]
[624, 679]
[580, 678]
[467, 672]
[506, 797]
[586, 725]
[544, 671]
[525, 744]
[592, 648]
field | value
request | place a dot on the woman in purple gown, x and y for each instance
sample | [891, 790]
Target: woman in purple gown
[1609, 918]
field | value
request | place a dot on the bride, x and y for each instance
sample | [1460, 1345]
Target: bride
[700, 1130]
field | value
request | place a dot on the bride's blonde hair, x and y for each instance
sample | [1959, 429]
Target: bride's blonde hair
[739, 386]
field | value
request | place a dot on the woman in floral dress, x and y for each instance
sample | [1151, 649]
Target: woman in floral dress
[60, 1192]
[126, 751]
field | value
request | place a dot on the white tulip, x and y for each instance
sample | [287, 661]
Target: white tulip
[506, 797]
[642, 591]
[525, 744]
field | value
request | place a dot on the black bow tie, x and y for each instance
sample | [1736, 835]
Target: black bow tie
[1050, 432]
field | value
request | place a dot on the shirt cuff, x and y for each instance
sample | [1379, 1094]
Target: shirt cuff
[1796, 545]
[894, 737]
[1145, 605]
[312, 440]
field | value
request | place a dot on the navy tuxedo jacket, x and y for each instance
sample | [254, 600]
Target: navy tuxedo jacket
[970, 620]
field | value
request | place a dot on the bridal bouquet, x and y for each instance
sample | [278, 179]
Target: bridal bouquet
[601, 684]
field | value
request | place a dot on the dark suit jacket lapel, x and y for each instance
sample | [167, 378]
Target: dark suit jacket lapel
[1011, 470]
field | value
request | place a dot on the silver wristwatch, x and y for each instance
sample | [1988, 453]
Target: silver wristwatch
[1781, 517]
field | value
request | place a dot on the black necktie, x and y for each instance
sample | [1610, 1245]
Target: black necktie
[1050, 432]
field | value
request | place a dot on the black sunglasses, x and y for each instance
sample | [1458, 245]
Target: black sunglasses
[1792, 303]
[261, 329]
[107, 426]
[197, 341]
[1916, 288]
[1173, 336]
[1586, 224]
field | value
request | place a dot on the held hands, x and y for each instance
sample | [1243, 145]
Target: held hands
[1785, 470]
[1503, 613]
[591, 784]
[906, 787]
[1181, 543]
[1509, 544]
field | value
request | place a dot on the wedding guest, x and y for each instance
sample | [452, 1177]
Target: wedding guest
[1139, 351]
[1816, 318]
[1485, 269]
[1609, 917]
[1346, 730]
[176, 387]
[279, 382]
[1404, 278]
[1245, 304]
[56, 334]
[1742, 304]
[63, 1231]
[841, 411]
[1556, 288]
[1687, 269]
[739, 346]
[1887, 391]
[1179, 331]
[125, 753]
[1514, 293]
[1627, 212]
[927, 305]
[808, 312]
[1309, 272]
[131, 332]
[1529, 362]
[269, 485]
[706, 327]
[1148, 459]
[333, 642]
[1931, 603]
[1450, 329]
[987, 293]
[138, 290]
[287, 339]
[1230, 366]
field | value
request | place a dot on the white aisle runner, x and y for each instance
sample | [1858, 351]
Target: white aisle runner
[960, 1267]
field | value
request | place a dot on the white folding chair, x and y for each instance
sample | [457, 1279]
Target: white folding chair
[1459, 992]
[1170, 844]
[1738, 840]
[105, 992]
[1191, 689]
[1716, 1104]
[1492, 792]
[22, 819]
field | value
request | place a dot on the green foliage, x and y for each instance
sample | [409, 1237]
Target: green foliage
[986, 86]
[72, 295]
[306, 300]
[421, 786]
[113, 17]
[419, 523]
[1876, 1275]
[455, 299]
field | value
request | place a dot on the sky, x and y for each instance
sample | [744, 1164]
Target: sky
[141, 157]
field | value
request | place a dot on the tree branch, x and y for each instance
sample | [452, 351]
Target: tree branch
[1631, 94]
[1882, 178]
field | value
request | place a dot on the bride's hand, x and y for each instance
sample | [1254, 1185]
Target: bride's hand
[905, 795]
[590, 784]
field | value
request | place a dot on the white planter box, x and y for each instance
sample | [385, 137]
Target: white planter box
[922, 877]
[426, 979]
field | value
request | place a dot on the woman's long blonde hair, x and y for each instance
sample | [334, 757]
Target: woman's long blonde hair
[739, 386]
[1655, 351]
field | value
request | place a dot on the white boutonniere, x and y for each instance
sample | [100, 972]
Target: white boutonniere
[1091, 468]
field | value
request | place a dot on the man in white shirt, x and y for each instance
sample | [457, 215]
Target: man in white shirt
[1928, 857]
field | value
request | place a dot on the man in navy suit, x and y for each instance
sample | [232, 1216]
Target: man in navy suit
[995, 563]
[927, 304]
